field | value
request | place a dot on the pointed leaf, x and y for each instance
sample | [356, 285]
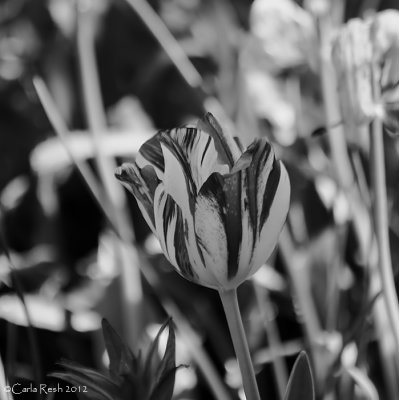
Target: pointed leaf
[99, 387]
[121, 359]
[149, 362]
[164, 377]
[164, 388]
[300, 385]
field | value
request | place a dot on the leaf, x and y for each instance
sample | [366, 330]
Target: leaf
[99, 387]
[150, 359]
[121, 358]
[165, 377]
[300, 385]
[164, 388]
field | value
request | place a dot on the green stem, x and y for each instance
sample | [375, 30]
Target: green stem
[273, 338]
[380, 209]
[381, 225]
[234, 321]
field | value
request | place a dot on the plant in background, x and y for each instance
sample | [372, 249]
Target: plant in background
[216, 209]
[352, 58]
[360, 49]
[286, 34]
[384, 33]
[130, 376]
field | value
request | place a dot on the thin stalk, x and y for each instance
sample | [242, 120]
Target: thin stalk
[3, 383]
[380, 210]
[62, 132]
[234, 321]
[299, 278]
[335, 131]
[273, 338]
[31, 331]
[179, 58]
[337, 140]
[114, 194]
[165, 38]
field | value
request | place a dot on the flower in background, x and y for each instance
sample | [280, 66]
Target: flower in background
[217, 210]
[130, 376]
[363, 48]
[385, 38]
[352, 58]
[285, 32]
[275, 61]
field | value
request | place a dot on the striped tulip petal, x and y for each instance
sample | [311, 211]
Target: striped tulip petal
[199, 149]
[210, 227]
[217, 210]
[151, 154]
[276, 207]
[142, 184]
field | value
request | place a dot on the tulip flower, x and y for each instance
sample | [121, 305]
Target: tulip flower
[216, 210]
[352, 58]
[286, 34]
[385, 38]
[363, 47]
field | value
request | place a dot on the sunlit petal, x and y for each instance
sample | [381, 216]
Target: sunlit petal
[274, 214]
[142, 184]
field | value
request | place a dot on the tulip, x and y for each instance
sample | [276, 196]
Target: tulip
[385, 38]
[363, 48]
[286, 34]
[216, 210]
[352, 58]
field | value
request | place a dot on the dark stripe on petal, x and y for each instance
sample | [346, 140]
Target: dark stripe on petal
[211, 126]
[169, 213]
[232, 220]
[225, 192]
[206, 149]
[178, 154]
[261, 151]
[142, 187]
[270, 191]
[182, 256]
[152, 152]
[213, 188]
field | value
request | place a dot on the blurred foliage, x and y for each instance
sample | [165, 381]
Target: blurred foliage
[60, 244]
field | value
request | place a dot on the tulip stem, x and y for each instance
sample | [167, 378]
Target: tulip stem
[234, 321]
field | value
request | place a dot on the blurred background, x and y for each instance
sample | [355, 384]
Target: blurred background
[114, 78]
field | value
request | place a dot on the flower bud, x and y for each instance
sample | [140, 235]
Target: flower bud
[216, 210]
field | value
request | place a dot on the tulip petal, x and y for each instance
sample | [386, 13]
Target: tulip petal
[277, 199]
[165, 213]
[261, 154]
[210, 227]
[177, 178]
[270, 191]
[178, 243]
[199, 149]
[232, 220]
[182, 255]
[227, 149]
[150, 153]
[142, 184]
